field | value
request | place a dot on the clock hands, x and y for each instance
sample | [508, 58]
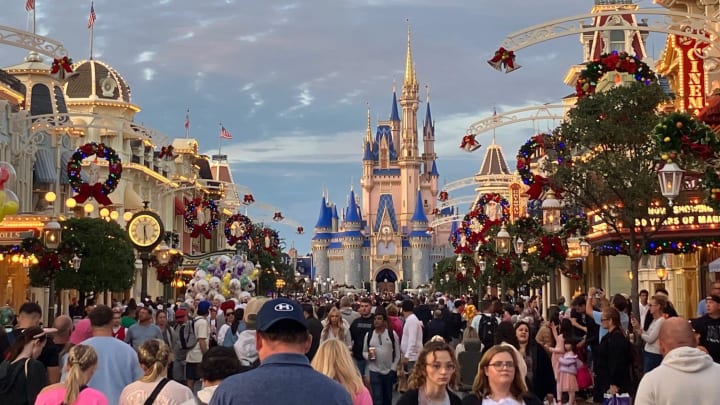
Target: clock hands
[145, 233]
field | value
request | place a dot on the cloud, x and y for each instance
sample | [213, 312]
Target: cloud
[254, 37]
[247, 86]
[148, 73]
[146, 56]
[350, 97]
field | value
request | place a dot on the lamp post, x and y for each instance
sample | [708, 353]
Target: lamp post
[502, 241]
[51, 238]
[661, 272]
[551, 212]
[670, 178]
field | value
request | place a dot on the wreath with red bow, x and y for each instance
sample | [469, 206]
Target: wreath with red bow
[268, 240]
[246, 229]
[525, 154]
[552, 250]
[191, 216]
[615, 61]
[98, 191]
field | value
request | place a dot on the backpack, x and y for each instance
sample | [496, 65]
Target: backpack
[486, 331]
[188, 340]
[391, 333]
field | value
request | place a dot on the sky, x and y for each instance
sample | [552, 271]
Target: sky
[292, 80]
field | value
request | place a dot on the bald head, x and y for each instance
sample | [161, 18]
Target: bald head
[64, 325]
[676, 332]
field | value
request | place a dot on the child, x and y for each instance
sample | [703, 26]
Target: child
[567, 380]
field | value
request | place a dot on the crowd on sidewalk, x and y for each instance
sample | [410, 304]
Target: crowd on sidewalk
[362, 349]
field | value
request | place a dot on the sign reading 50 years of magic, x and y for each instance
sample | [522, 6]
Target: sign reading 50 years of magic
[668, 216]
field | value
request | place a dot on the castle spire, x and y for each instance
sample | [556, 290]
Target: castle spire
[368, 130]
[394, 113]
[410, 76]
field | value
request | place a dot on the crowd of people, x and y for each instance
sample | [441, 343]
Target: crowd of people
[362, 349]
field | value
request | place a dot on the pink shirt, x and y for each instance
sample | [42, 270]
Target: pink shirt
[363, 397]
[55, 396]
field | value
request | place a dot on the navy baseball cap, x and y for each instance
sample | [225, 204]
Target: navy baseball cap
[277, 310]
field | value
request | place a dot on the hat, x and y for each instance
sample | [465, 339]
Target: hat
[277, 310]
[229, 304]
[251, 311]
[714, 297]
[82, 331]
[203, 308]
[180, 314]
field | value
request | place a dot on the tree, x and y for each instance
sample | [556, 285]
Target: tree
[267, 251]
[612, 167]
[108, 259]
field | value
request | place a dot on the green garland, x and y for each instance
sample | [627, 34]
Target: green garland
[679, 133]
[620, 62]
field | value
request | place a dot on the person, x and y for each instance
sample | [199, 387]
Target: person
[470, 335]
[334, 360]
[315, 328]
[75, 310]
[154, 358]
[282, 341]
[346, 310]
[201, 329]
[233, 326]
[708, 327]
[61, 339]
[218, 363]
[179, 354]
[358, 330]
[434, 374]
[505, 334]
[498, 380]
[567, 375]
[651, 355]
[117, 361]
[118, 330]
[643, 306]
[383, 359]
[486, 323]
[618, 302]
[394, 321]
[613, 358]
[702, 305]
[81, 363]
[246, 347]
[687, 375]
[22, 375]
[541, 379]
[336, 328]
[143, 330]
[437, 326]
[411, 342]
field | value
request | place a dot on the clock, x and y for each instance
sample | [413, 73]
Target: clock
[385, 230]
[145, 230]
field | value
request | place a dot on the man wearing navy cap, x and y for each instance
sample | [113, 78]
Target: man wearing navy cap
[285, 375]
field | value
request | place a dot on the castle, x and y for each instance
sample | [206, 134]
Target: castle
[386, 239]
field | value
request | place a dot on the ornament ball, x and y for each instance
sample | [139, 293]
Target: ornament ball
[679, 124]
[666, 139]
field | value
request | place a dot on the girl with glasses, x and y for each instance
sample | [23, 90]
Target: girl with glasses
[230, 331]
[498, 380]
[435, 372]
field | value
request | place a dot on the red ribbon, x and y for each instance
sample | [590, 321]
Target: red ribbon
[166, 152]
[201, 229]
[537, 187]
[95, 191]
[703, 151]
[62, 63]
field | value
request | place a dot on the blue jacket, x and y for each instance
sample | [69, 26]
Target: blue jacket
[281, 379]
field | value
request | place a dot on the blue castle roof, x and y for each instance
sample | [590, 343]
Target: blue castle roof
[394, 116]
[325, 218]
[353, 211]
[419, 215]
[434, 170]
[428, 116]
[383, 131]
[334, 212]
[368, 155]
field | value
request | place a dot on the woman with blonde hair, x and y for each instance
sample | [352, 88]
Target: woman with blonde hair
[435, 372]
[81, 363]
[333, 359]
[154, 356]
[336, 328]
[498, 380]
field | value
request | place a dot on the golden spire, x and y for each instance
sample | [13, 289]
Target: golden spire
[368, 133]
[410, 77]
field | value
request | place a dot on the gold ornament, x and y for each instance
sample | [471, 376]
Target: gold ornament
[666, 139]
[679, 125]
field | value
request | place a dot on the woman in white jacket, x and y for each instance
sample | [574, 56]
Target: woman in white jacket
[651, 355]
[336, 328]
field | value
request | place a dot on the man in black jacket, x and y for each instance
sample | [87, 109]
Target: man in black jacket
[314, 327]
[358, 330]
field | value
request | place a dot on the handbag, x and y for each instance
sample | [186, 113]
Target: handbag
[402, 378]
[617, 399]
[584, 377]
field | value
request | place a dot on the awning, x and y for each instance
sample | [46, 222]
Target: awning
[714, 266]
[132, 201]
[44, 169]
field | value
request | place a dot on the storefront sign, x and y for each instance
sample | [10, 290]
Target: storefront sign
[692, 74]
[16, 235]
[515, 201]
[679, 215]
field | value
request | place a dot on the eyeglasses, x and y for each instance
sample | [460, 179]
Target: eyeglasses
[503, 365]
[604, 319]
[437, 367]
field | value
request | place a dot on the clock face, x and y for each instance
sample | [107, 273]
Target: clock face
[145, 230]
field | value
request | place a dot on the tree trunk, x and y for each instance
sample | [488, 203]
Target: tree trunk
[634, 296]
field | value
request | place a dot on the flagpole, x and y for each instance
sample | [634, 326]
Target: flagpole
[217, 163]
[187, 123]
[34, 18]
[92, 28]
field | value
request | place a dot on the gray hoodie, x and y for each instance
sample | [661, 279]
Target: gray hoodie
[245, 348]
[686, 376]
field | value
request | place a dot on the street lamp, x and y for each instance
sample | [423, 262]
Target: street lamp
[52, 234]
[525, 266]
[502, 241]
[661, 272]
[519, 245]
[162, 253]
[670, 178]
[584, 249]
[75, 263]
[551, 212]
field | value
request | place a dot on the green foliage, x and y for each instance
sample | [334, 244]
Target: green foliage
[108, 260]
[613, 170]
[268, 259]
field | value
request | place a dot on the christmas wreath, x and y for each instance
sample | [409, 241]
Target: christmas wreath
[268, 240]
[460, 239]
[548, 142]
[620, 62]
[575, 224]
[500, 213]
[194, 213]
[573, 270]
[552, 251]
[98, 191]
[238, 228]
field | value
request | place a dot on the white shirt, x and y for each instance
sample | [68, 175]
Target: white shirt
[412, 343]
[384, 361]
[650, 337]
[643, 313]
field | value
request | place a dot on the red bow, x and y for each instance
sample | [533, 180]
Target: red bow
[469, 143]
[63, 63]
[504, 59]
[166, 152]
[201, 229]
[95, 191]
[703, 151]
[248, 199]
[537, 187]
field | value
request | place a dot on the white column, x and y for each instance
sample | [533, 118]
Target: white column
[565, 289]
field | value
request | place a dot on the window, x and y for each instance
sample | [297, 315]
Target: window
[41, 103]
[617, 41]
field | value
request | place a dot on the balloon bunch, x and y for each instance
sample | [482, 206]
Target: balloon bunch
[9, 202]
[222, 277]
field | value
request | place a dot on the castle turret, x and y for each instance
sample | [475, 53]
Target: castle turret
[366, 181]
[321, 241]
[428, 155]
[352, 243]
[395, 119]
[420, 244]
[409, 159]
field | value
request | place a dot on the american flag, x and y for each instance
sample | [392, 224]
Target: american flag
[93, 17]
[187, 119]
[29, 5]
[224, 133]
